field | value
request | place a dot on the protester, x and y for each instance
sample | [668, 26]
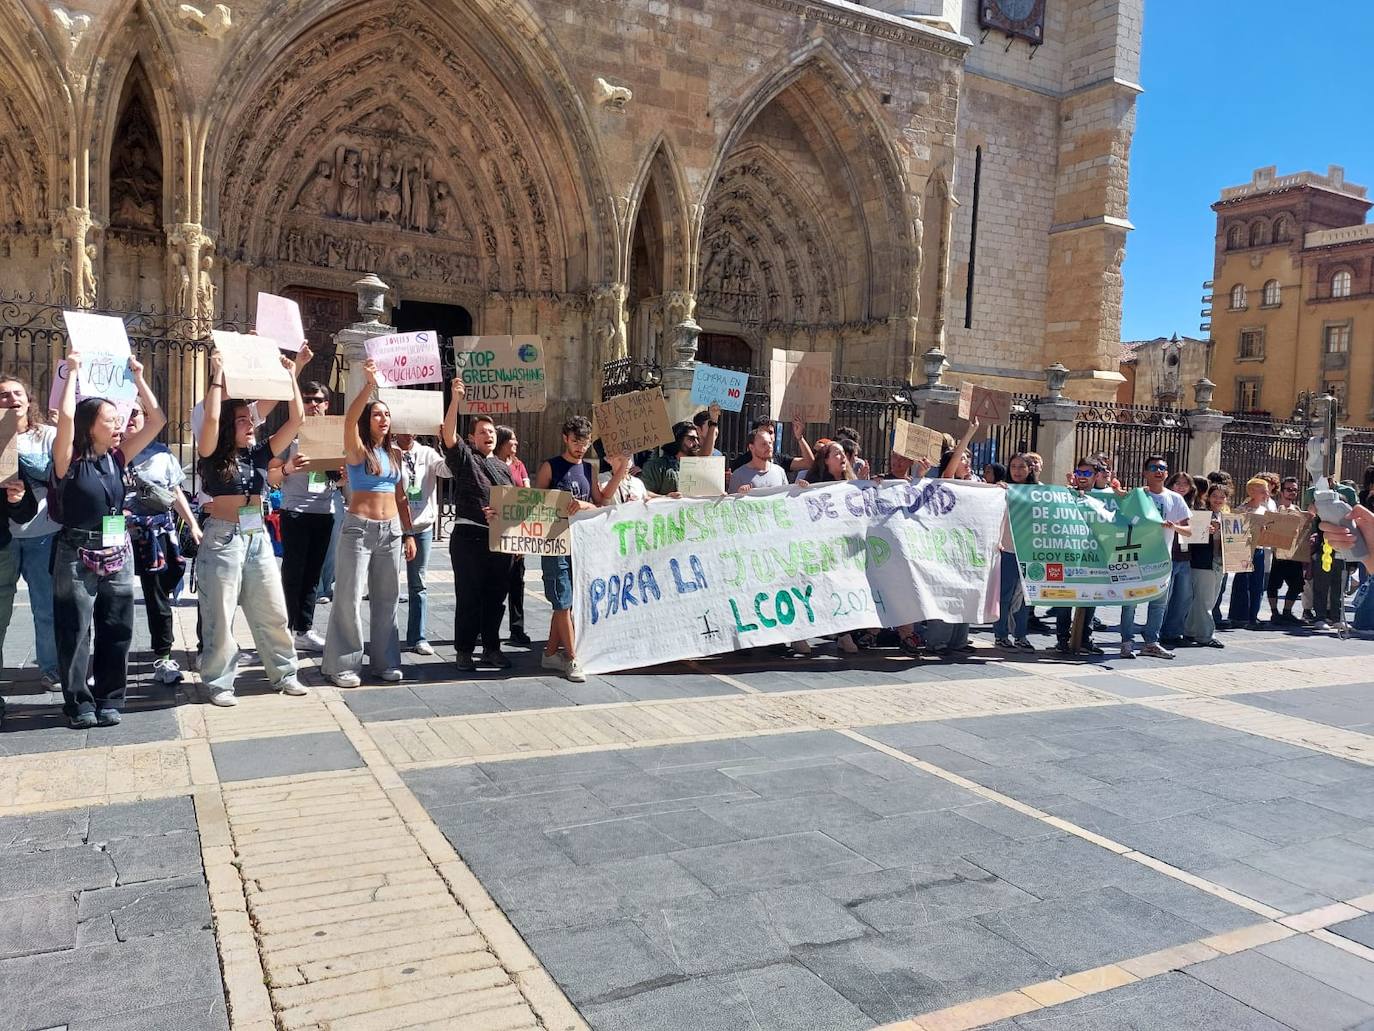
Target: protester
[93, 585]
[235, 567]
[1181, 577]
[834, 462]
[508, 450]
[1013, 614]
[424, 468]
[1174, 511]
[1219, 476]
[1286, 568]
[859, 463]
[481, 577]
[707, 422]
[376, 534]
[941, 637]
[308, 498]
[155, 477]
[1247, 589]
[995, 472]
[1205, 559]
[788, 463]
[1085, 473]
[570, 472]
[1328, 568]
[760, 472]
[659, 473]
[30, 549]
[18, 503]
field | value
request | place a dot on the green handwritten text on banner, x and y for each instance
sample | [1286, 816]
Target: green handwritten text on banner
[678, 578]
[1087, 549]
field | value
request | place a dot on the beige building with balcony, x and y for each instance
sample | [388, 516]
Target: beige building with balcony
[1293, 294]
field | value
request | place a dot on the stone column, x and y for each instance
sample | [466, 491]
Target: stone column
[682, 334]
[75, 279]
[1058, 422]
[191, 289]
[1206, 425]
[349, 342]
[933, 364]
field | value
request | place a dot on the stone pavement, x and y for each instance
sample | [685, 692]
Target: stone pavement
[736, 843]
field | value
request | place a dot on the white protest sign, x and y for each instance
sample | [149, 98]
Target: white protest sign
[419, 412]
[501, 374]
[682, 578]
[799, 385]
[279, 320]
[252, 367]
[723, 387]
[702, 477]
[1200, 523]
[104, 348]
[404, 359]
[529, 521]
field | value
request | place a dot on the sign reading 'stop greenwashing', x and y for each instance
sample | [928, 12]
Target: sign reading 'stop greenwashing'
[1087, 549]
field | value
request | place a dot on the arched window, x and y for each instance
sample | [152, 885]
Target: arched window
[1272, 294]
[1283, 229]
[1259, 233]
[1340, 284]
[1235, 238]
[1238, 297]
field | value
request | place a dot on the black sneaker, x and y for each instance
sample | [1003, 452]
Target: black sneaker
[1092, 649]
[82, 721]
[520, 639]
[1062, 648]
[464, 662]
[107, 718]
[497, 659]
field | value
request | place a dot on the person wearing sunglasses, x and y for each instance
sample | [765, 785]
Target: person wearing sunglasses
[1174, 511]
[1081, 480]
[1286, 569]
[660, 472]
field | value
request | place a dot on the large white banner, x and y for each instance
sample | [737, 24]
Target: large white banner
[680, 578]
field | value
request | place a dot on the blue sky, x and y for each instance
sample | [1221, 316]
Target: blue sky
[1230, 87]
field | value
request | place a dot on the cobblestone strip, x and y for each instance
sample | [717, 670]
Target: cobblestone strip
[494, 736]
[1347, 744]
[93, 776]
[1246, 677]
[356, 927]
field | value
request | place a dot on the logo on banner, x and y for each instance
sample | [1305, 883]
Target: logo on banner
[528, 353]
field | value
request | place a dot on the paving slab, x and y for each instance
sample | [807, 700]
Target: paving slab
[256, 758]
[1361, 930]
[1326, 963]
[1279, 991]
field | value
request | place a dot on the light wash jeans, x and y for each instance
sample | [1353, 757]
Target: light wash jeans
[418, 620]
[1180, 601]
[1013, 614]
[369, 557]
[1202, 624]
[238, 570]
[32, 556]
[1154, 619]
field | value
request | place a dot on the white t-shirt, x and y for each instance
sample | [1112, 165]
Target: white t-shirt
[770, 475]
[1172, 509]
[423, 467]
[35, 459]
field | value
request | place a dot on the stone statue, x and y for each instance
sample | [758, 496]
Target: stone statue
[205, 291]
[134, 191]
[350, 185]
[89, 283]
[614, 97]
[61, 270]
[215, 24]
[182, 277]
[388, 203]
[443, 208]
[317, 197]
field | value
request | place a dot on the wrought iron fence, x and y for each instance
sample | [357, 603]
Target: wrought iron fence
[1128, 434]
[1252, 445]
[871, 407]
[1357, 454]
[1020, 433]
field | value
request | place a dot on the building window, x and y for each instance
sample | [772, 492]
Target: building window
[1336, 388]
[1340, 284]
[1251, 344]
[1273, 294]
[1238, 297]
[1283, 229]
[1259, 234]
[1248, 395]
[1336, 339]
[1235, 238]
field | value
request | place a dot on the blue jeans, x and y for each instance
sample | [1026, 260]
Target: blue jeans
[415, 586]
[1154, 619]
[326, 587]
[1180, 600]
[33, 554]
[1247, 591]
[1013, 614]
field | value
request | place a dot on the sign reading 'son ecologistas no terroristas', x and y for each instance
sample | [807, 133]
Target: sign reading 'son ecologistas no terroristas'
[679, 578]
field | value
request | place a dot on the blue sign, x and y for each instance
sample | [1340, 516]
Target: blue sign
[723, 387]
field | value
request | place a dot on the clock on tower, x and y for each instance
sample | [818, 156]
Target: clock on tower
[1023, 18]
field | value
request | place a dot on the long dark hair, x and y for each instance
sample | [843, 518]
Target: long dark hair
[87, 412]
[388, 445]
[223, 464]
[35, 414]
[1030, 469]
[820, 471]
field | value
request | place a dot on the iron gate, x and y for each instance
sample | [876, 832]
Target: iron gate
[1250, 445]
[1128, 434]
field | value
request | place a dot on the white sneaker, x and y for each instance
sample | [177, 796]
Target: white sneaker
[346, 679]
[309, 642]
[1156, 651]
[290, 685]
[1127, 650]
[555, 661]
[573, 671]
[166, 671]
[423, 648]
[391, 676]
[223, 698]
[847, 645]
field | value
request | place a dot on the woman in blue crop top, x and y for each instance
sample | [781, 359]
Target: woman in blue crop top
[236, 567]
[92, 567]
[374, 538]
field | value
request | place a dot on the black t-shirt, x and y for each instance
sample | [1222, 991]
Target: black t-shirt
[474, 474]
[250, 473]
[92, 489]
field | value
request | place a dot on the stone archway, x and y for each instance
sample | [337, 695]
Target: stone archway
[658, 264]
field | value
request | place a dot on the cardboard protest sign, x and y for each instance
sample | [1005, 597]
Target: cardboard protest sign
[799, 385]
[1237, 548]
[989, 407]
[917, 442]
[252, 367]
[501, 374]
[529, 521]
[321, 439]
[420, 412]
[104, 348]
[1279, 530]
[1200, 523]
[9, 444]
[279, 320]
[633, 422]
[404, 359]
[724, 387]
[701, 477]
[943, 417]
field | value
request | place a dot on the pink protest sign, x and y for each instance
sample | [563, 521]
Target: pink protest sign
[279, 319]
[405, 359]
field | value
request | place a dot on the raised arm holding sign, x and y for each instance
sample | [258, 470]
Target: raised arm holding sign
[253, 369]
[103, 345]
[404, 359]
[723, 387]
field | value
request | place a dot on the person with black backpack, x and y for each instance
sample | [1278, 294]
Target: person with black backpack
[93, 581]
